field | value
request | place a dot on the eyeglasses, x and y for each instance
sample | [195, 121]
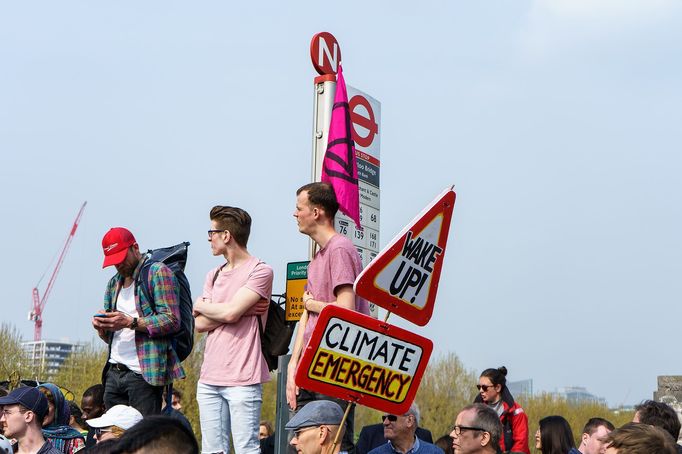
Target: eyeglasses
[99, 431]
[7, 412]
[458, 429]
[484, 387]
[211, 232]
[298, 432]
[391, 418]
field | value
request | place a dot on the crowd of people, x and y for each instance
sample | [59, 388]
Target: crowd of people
[131, 409]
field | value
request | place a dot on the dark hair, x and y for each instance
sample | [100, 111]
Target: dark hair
[268, 426]
[96, 392]
[176, 392]
[158, 434]
[77, 413]
[660, 415]
[635, 438]
[595, 423]
[233, 219]
[556, 436]
[486, 418]
[497, 376]
[445, 443]
[321, 195]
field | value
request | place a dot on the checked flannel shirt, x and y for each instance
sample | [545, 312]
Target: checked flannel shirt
[159, 363]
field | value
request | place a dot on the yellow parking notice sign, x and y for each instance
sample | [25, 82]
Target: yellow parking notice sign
[297, 278]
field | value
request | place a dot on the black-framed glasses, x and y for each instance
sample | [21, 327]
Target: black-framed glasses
[391, 418]
[211, 232]
[298, 432]
[458, 429]
[484, 387]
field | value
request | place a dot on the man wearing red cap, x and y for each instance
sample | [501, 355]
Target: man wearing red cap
[141, 359]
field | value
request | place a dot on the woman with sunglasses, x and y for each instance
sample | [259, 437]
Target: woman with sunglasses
[493, 391]
[112, 424]
[555, 436]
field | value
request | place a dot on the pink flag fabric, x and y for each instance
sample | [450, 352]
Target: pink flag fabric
[339, 167]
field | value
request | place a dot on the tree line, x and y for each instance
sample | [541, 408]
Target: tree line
[446, 387]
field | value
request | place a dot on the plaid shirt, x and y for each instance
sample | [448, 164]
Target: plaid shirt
[159, 363]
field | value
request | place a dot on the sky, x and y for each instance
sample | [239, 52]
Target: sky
[557, 121]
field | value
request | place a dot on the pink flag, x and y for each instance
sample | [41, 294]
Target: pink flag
[339, 167]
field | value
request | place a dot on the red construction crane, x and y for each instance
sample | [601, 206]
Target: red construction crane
[36, 314]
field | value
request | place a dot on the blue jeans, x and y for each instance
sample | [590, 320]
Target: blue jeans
[126, 387]
[229, 409]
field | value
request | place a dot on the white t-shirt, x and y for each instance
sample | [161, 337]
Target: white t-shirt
[123, 348]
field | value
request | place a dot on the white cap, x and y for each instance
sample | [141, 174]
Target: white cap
[122, 416]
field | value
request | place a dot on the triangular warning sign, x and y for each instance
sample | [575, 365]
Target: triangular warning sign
[403, 278]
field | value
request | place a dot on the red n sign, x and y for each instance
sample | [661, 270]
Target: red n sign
[325, 53]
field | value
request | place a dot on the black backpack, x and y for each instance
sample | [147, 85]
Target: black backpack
[175, 258]
[277, 333]
[276, 336]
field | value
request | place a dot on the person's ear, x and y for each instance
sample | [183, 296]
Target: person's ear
[584, 438]
[485, 439]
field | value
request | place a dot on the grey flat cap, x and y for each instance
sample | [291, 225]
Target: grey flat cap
[316, 413]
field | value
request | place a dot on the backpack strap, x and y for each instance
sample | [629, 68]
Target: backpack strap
[215, 276]
[143, 283]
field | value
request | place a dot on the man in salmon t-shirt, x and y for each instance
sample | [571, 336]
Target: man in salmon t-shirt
[235, 296]
[331, 275]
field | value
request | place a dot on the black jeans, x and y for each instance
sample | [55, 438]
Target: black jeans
[305, 396]
[125, 387]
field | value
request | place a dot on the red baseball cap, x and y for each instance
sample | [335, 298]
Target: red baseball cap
[115, 245]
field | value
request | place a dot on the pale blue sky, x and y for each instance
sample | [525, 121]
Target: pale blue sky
[558, 122]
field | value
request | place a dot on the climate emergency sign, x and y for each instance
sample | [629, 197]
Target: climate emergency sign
[363, 360]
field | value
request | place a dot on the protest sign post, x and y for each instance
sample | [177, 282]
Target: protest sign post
[404, 277]
[362, 360]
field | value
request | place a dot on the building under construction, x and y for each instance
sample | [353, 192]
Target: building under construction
[46, 358]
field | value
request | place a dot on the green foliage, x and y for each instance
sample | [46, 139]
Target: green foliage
[541, 405]
[12, 363]
[447, 386]
[82, 370]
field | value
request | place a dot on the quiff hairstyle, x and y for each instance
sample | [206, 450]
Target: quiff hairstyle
[234, 220]
[321, 195]
[637, 438]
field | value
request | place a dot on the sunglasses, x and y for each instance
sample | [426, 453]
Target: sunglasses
[298, 432]
[484, 387]
[391, 418]
[99, 431]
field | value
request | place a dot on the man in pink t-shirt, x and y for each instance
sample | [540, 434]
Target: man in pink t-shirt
[234, 300]
[331, 275]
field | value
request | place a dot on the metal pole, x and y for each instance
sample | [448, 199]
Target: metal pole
[282, 409]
